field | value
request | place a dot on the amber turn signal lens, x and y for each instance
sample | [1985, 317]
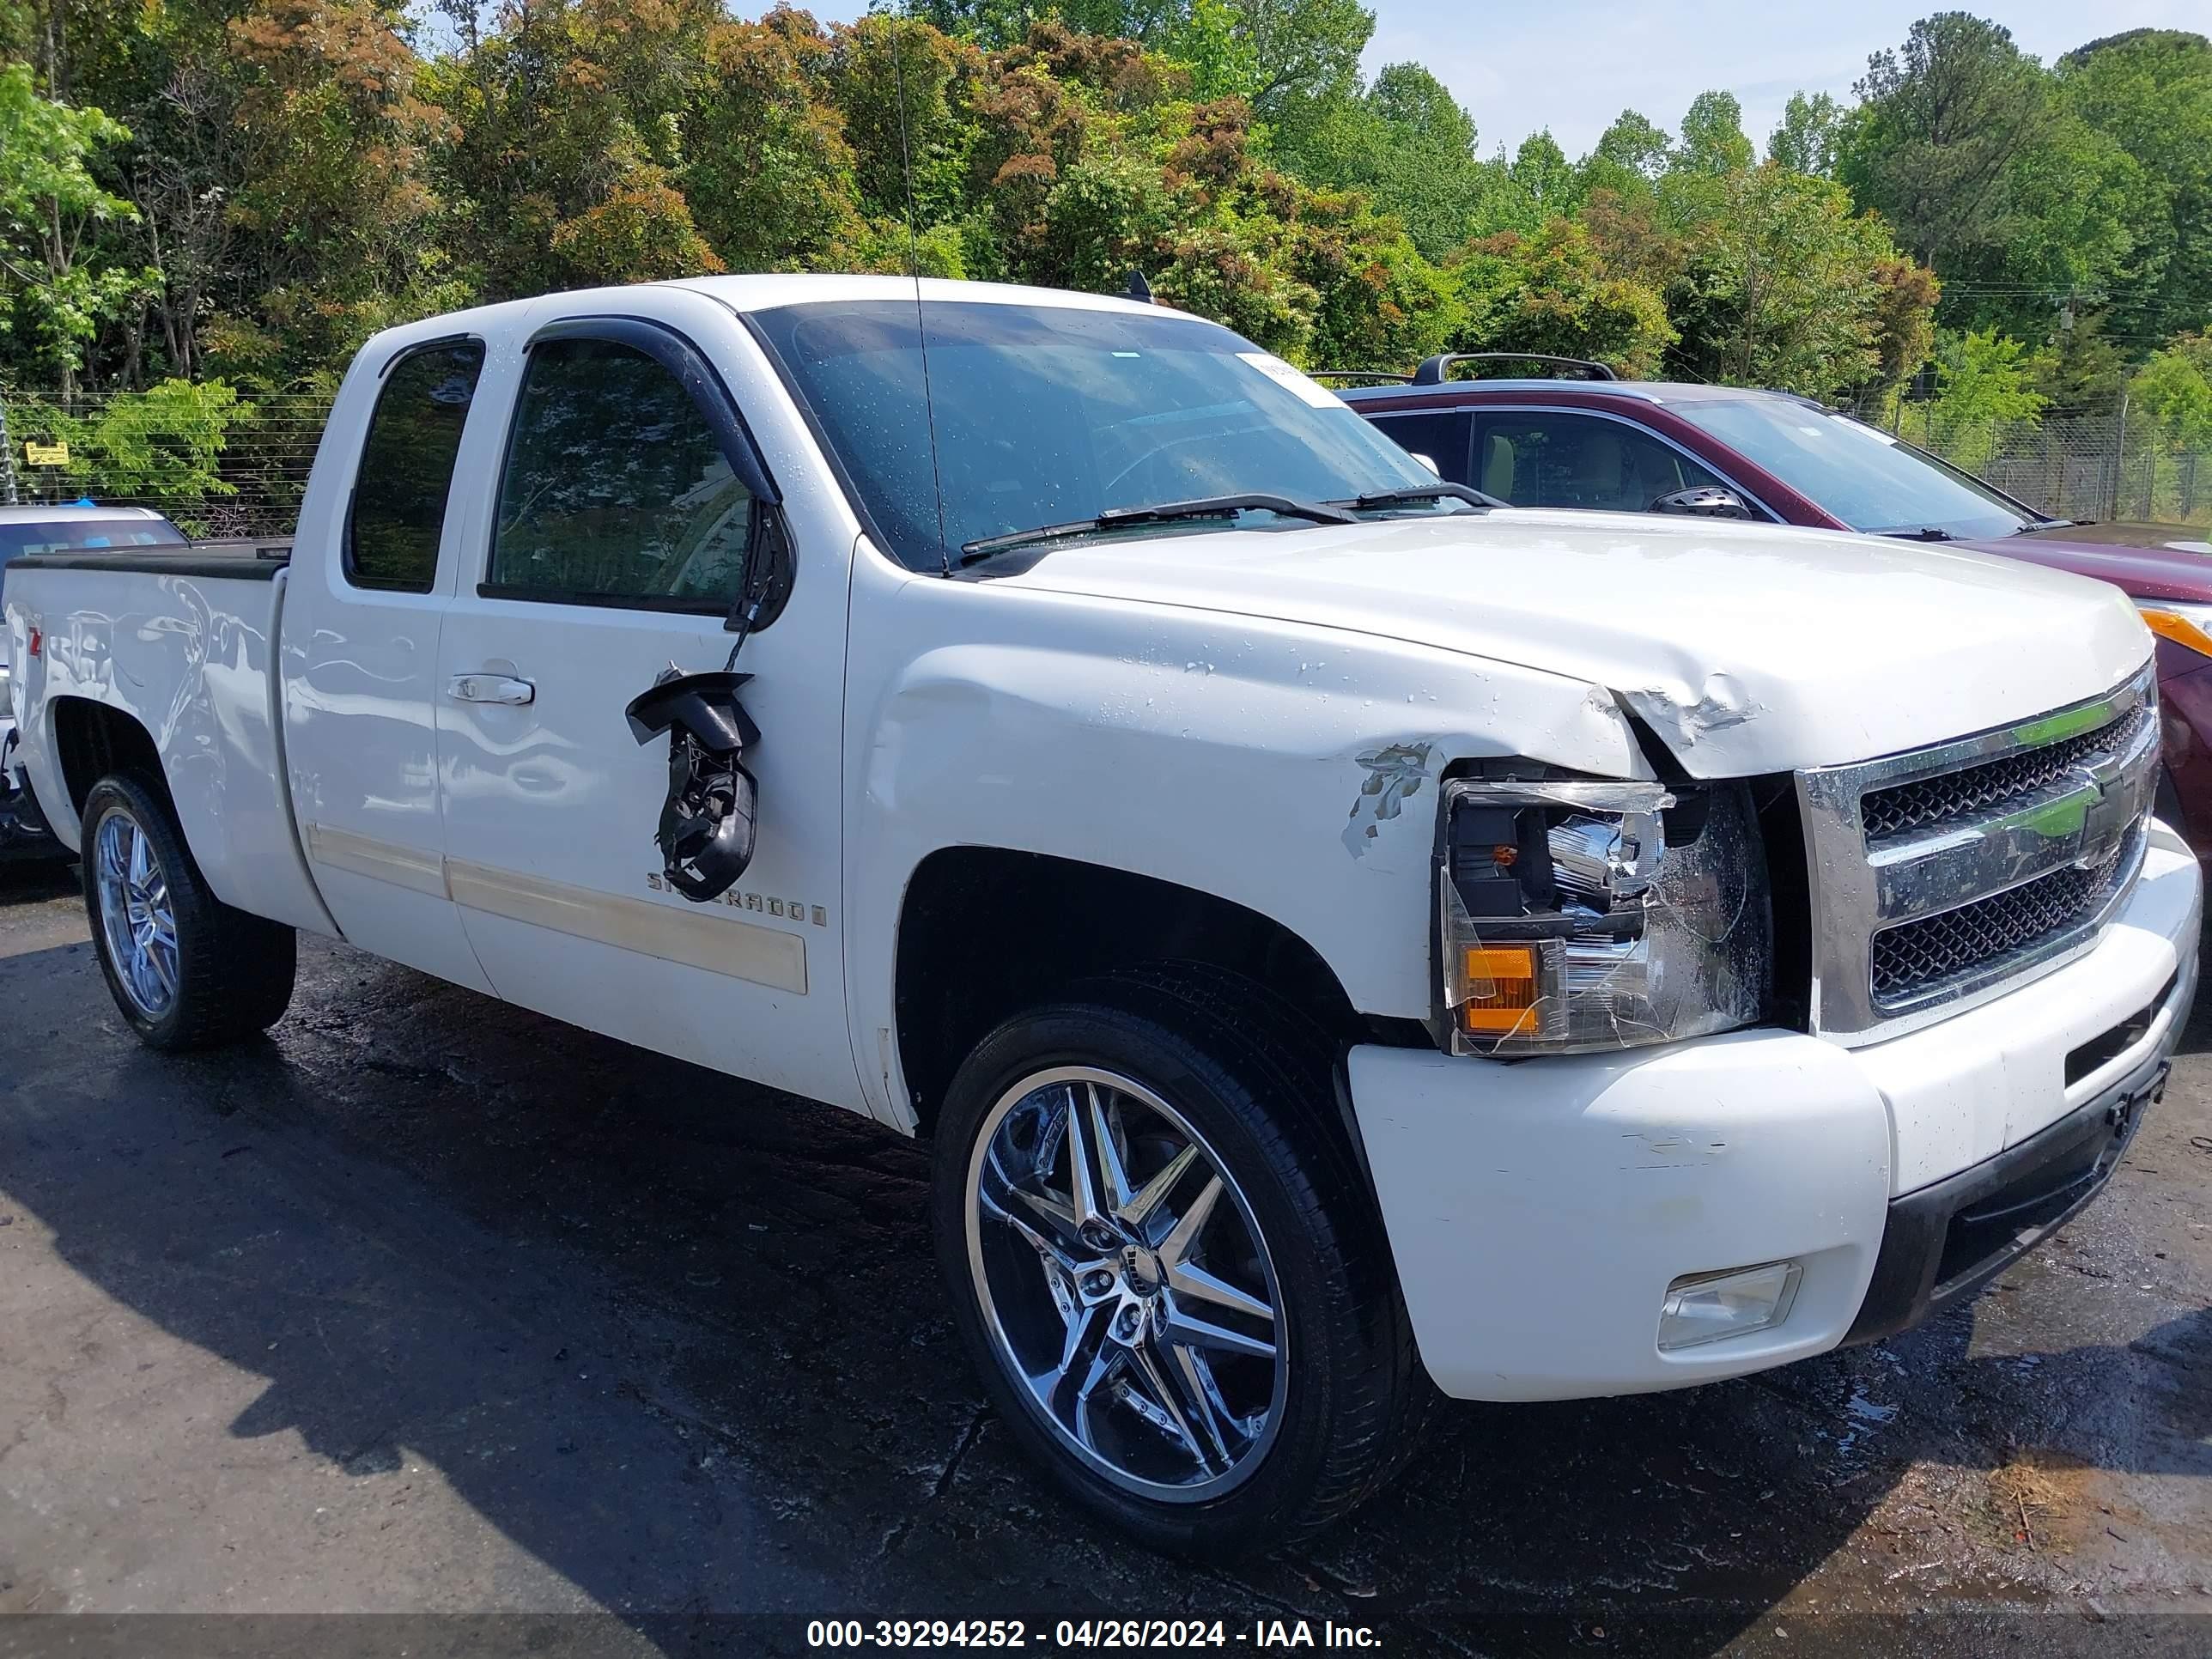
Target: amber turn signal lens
[2171, 625]
[1501, 981]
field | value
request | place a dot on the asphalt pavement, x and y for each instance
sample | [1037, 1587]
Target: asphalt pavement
[525, 1341]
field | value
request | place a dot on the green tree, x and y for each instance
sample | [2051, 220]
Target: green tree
[1407, 143]
[334, 205]
[1985, 387]
[1220, 53]
[1636, 144]
[2150, 92]
[567, 143]
[57, 285]
[766, 174]
[1785, 287]
[164, 444]
[2173, 390]
[1712, 137]
[1943, 119]
[1302, 46]
[2082, 371]
[1550, 292]
[1271, 53]
[1810, 135]
[1989, 173]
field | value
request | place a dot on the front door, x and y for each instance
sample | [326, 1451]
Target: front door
[625, 502]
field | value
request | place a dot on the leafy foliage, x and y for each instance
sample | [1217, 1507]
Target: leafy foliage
[228, 194]
[2174, 390]
[49, 204]
[163, 444]
[1986, 383]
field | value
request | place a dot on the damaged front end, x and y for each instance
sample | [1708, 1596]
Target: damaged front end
[707, 821]
[1578, 915]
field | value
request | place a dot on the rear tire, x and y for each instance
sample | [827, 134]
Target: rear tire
[185, 969]
[1185, 1066]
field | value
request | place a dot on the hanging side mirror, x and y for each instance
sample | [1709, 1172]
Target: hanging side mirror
[1707, 501]
[707, 820]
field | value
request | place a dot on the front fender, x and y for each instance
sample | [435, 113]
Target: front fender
[1290, 769]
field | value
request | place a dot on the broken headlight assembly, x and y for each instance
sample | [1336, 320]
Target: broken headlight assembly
[1583, 916]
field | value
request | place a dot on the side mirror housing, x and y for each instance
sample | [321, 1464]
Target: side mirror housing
[1707, 501]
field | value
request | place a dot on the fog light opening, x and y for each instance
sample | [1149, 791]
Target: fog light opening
[1701, 1308]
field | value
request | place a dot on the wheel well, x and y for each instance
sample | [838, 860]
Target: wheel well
[985, 931]
[92, 740]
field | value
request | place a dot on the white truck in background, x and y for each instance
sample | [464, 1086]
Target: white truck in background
[1341, 939]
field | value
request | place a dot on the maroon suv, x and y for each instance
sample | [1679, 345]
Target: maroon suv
[1725, 451]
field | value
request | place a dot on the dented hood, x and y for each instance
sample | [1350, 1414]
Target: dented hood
[1748, 648]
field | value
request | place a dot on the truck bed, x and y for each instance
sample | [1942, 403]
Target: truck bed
[182, 642]
[244, 560]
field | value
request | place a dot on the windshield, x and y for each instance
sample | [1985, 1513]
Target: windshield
[1865, 477]
[1053, 414]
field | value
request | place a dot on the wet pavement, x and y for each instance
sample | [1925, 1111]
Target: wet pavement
[428, 1306]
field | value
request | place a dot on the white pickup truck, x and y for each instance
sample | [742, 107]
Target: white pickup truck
[1340, 938]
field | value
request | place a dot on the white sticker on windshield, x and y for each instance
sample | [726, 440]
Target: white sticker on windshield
[1283, 375]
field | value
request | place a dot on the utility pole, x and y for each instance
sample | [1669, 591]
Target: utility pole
[2120, 456]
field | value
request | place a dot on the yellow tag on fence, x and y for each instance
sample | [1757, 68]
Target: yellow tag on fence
[46, 454]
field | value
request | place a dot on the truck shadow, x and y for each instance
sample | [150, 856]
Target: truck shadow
[683, 1342]
[27, 881]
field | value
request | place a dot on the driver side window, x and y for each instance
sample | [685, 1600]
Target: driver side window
[616, 490]
[1578, 460]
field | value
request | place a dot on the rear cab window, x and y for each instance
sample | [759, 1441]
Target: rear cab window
[397, 517]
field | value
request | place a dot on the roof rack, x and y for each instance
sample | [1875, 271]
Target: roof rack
[1390, 375]
[1435, 371]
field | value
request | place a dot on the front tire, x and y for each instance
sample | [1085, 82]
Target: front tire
[185, 969]
[1167, 1267]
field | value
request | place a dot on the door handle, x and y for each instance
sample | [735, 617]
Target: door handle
[491, 688]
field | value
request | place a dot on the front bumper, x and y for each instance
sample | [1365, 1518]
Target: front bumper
[1538, 1211]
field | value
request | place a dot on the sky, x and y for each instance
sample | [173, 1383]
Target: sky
[1573, 65]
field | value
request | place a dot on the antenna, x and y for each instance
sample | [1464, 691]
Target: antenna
[913, 270]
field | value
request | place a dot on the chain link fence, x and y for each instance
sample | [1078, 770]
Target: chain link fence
[2085, 466]
[247, 483]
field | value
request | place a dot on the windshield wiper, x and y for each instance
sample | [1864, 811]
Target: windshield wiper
[1928, 533]
[1435, 492]
[1115, 518]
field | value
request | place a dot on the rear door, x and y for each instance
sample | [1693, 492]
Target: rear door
[622, 507]
[360, 630]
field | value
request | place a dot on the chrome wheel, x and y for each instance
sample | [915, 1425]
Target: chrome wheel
[1125, 1284]
[136, 914]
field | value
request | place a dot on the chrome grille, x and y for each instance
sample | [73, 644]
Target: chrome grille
[1943, 875]
[1920, 956]
[1909, 806]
